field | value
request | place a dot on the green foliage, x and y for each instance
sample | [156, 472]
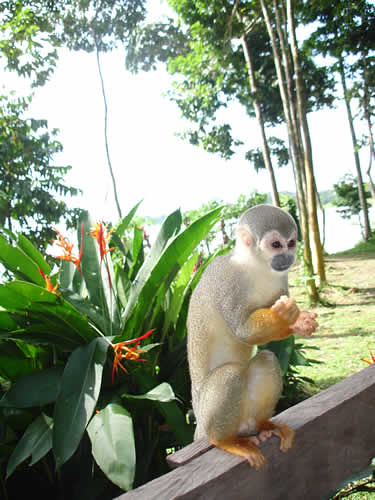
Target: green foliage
[347, 197]
[98, 25]
[32, 189]
[290, 354]
[277, 149]
[33, 30]
[230, 214]
[70, 336]
[289, 204]
[203, 53]
[28, 41]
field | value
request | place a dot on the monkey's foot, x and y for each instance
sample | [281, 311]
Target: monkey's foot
[243, 447]
[266, 429]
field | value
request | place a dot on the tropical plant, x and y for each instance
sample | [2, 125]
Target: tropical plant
[76, 405]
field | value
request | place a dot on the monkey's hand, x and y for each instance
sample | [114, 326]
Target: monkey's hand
[305, 324]
[287, 309]
[274, 323]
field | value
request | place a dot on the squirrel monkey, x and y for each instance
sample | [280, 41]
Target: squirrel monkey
[240, 302]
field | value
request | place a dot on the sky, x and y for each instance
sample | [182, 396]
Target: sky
[149, 161]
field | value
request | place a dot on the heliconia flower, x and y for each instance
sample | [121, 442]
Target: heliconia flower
[372, 359]
[99, 233]
[49, 286]
[67, 247]
[131, 353]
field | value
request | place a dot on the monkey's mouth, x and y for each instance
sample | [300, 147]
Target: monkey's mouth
[281, 263]
[280, 269]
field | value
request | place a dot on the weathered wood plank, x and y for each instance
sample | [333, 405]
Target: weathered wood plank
[334, 439]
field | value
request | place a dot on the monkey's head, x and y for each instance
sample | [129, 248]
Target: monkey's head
[270, 235]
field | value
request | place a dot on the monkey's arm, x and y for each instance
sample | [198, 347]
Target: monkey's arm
[277, 322]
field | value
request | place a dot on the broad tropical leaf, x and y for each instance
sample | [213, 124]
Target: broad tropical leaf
[76, 402]
[169, 228]
[34, 254]
[162, 270]
[17, 261]
[37, 389]
[35, 443]
[163, 393]
[113, 447]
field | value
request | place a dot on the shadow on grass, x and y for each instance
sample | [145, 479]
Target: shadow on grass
[339, 257]
[359, 332]
[365, 301]
[325, 383]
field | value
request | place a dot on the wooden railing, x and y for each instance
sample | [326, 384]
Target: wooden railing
[334, 438]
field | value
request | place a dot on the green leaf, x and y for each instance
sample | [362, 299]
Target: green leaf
[138, 254]
[124, 223]
[36, 442]
[12, 301]
[33, 253]
[169, 228]
[34, 293]
[176, 420]
[283, 350]
[66, 275]
[17, 261]
[14, 363]
[164, 266]
[179, 291]
[163, 393]
[76, 402]
[19, 296]
[6, 321]
[37, 389]
[99, 277]
[113, 447]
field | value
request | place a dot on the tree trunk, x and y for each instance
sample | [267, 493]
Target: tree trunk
[367, 115]
[259, 116]
[308, 161]
[106, 135]
[289, 115]
[361, 190]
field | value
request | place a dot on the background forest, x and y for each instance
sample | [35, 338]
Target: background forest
[93, 364]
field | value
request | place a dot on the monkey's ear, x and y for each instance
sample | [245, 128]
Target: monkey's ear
[245, 236]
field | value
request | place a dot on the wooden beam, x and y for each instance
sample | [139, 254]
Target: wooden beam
[334, 439]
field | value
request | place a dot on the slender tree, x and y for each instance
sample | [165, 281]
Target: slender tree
[217, 69]
[346, 29]
[259, 115]
[285, 77]
[34, 30]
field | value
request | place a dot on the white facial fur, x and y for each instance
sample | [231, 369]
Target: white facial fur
[273, 243]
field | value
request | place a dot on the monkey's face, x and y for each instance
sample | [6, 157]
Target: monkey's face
[279, 250]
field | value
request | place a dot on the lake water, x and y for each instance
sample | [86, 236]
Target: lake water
[342, 234]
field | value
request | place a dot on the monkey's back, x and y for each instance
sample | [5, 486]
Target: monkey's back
[215, 311]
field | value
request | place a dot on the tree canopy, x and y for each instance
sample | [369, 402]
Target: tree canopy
[33, 192]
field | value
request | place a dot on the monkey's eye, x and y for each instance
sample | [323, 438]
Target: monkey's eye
[291, 243]
[276, 244]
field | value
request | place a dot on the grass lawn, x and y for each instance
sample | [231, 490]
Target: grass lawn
[346, 321]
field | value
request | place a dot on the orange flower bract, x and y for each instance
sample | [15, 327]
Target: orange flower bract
[372, 359]
[130, 353]
[99, 233]
[49, 286]
[67, 247]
